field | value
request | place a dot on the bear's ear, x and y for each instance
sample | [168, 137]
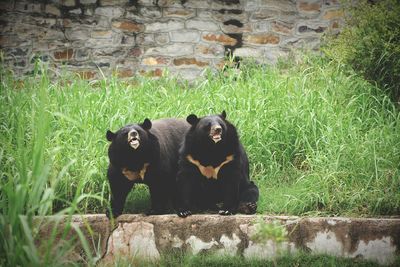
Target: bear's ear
[146, 124]
[223, 114]
[192, 119]
[110, 135]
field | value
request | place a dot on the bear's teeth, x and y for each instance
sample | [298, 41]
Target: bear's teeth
[134, 144]
[216, 138]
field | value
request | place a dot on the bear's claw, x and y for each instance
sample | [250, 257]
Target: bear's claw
[225, 212]
[184, 213]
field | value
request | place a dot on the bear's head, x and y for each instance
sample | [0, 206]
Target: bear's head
[130, 145]
[209, 129]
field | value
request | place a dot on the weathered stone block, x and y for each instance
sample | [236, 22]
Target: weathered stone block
[68, 3]
[261, 26]
[135, 52]
[76, 11]
[100, 43]
[262, 39]
[306, 27]
[219, 38]
[64, 54]
[88, 2]
[77, 34]
[287, 5]
[108, 52]
[312, 7]
[52, 10]
[250, 5]
[82, 54]
[248, 52]
[232, 4]
[128, 40]
[233, 26]
[124, 73]
[202, 25]
[153, 61]
[185, 36]
[127, 26]
[167, 3]
[16, 51]
[204, 14]
[13, 40]
[27, 7]
[177, 49]
[7, 5]
[113, 2]
[170, 25]
[282, 27]
[264, 14]
[210, 50]
[189, 61]
[150, 12]
[333, 14]
[223, 15]
[50, 34]
[179, 13]
[197, 3]
[161, 38]
[145, 39]
[101, 34]
[111, 12]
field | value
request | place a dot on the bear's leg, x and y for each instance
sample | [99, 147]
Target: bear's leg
[120, 188]
[159, 198]
[230, 190]
[186, 181]
[248, 198]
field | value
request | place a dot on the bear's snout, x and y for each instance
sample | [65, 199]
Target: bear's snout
[216, 132]
[133, 139]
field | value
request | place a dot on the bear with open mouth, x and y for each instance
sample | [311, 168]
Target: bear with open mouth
[145, 153]
[214, 169]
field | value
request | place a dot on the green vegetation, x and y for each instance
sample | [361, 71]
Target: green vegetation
[321, 141]
[370, 43]
[300, 259]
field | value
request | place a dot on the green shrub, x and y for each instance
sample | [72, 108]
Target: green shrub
[370, 43]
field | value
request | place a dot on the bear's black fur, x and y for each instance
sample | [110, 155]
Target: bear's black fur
[213, 141]
[145, 153]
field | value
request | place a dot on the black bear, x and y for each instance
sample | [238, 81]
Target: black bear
[145, 153]
[214, 168]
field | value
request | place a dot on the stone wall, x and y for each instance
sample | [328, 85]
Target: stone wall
[150, 237]
[129, 37]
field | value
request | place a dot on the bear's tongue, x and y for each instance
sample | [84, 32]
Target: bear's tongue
[134, 143]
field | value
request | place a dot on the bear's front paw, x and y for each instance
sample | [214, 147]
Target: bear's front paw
[184, 213]
[225, 212]
[247, 207]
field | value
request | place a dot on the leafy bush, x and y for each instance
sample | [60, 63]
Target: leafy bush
[370, 43]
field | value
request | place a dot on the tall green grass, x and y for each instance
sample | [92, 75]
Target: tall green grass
[29, 182]
[321, 140]
[206, 260]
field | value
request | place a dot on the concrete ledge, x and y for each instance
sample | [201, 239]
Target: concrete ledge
[151, 236]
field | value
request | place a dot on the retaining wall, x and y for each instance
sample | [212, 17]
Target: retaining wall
[129, 37]
[151, 236]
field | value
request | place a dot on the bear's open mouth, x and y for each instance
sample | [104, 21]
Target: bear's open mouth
[216, 137]
[134, 142]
